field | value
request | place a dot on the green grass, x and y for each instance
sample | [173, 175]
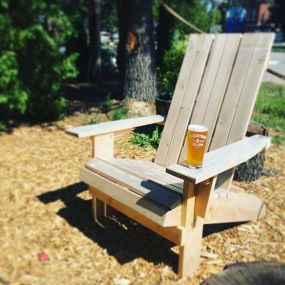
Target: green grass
[270, 110]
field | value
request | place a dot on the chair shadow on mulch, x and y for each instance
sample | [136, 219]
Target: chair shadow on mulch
[122, 237]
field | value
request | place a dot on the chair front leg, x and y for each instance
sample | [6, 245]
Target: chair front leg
[102, 147]
[194, 208]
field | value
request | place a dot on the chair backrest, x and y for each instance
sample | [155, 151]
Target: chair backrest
[217, 87]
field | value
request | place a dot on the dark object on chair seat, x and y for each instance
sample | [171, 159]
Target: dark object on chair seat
[249, 273]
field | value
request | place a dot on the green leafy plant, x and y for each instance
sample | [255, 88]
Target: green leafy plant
[13, 97]
[92, 120]
[168, 73]
[119, 113]
[34, 60]
[107, 104]
[147, 140]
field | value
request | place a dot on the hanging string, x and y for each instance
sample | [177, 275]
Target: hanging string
[180, 18]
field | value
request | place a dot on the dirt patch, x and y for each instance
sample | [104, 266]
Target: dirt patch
[47, 235]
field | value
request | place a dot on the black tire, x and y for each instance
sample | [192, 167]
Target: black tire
[250, 273]
[250, 170]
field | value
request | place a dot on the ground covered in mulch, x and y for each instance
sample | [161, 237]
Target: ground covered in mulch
[47, 235]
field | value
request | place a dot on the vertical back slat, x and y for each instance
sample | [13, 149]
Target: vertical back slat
[180, 89]
[184, 97]
[213, 87]
[221, 83]
[251, 86]
[239, 73]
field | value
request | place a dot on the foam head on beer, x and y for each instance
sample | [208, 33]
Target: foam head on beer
[196, 144]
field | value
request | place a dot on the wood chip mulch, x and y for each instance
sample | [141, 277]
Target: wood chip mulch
[47, 235]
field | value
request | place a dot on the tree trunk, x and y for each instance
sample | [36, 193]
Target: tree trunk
[94, 65]
[140, 75]
[123, 24]
[164, 33]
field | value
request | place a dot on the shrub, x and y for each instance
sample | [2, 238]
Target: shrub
[33, 64]
[119, 113]
[13, 97]
[92, 120]
[147, 140]
[168, 74]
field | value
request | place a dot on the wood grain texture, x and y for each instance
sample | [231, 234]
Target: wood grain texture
[114, 126]
[103, 146]
[149, 171]
[235, 207]
[177, 98]
[214, 83]
[152, 211]
[221, 159]
[233, 92]
[251, 86]
[180, 110]
[188, 102]
[144, 187]
[174, 234]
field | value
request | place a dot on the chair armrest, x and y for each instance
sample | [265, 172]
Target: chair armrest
[222, 159]
[114, 126]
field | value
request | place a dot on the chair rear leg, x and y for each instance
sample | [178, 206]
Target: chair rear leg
[99, 210]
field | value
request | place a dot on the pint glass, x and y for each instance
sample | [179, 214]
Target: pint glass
[196, 144]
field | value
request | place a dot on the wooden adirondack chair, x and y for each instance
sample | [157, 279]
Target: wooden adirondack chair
[217, 87]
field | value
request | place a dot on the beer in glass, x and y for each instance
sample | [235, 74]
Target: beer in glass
[196, 144]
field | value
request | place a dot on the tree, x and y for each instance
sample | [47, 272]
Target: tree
[94, 66]
[138, 42]
[123, 24]
[164, 32]
[33, 58]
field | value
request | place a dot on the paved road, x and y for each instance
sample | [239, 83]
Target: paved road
[276, 65]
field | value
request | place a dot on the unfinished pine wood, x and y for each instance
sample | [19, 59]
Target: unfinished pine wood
[149, 171]
[194, 209]
[143, 187]
[188, 204]
[99, 210]
[184, 113]
[221, 159]
[114, 126]
[174, 234]
[103, 146]
[234, 90]
[155, 212]
[203, 195]
[180, 110]
[189, 252]
[179, 92]
[209, 79]
[207, 84]
[217, 87]
[237, 107]
[237, 207]
[251, 86]
[214, 84]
